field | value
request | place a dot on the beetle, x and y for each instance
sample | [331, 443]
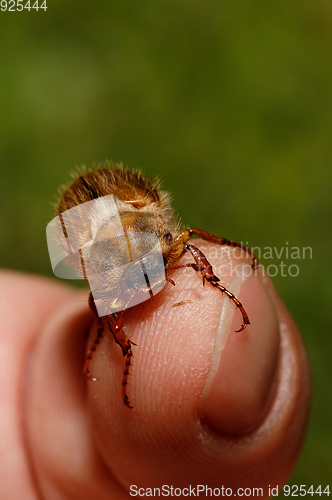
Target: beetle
[125, 218]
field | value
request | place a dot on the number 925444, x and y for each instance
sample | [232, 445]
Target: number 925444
[301, 491]
[20, 5]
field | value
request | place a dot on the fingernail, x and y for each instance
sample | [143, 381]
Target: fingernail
[242, 379]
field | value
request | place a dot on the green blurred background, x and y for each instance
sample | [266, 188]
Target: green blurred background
[229, 102]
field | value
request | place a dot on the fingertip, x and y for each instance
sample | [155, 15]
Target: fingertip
[242, 379]
[241, 419]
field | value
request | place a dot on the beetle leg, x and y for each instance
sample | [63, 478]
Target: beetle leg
[204, 266]
[99, 336]
[188, 233]
[196, 267]
[115, 324]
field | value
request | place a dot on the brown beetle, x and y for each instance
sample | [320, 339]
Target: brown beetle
[145, 215]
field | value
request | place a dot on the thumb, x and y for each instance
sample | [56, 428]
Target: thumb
[210, 406]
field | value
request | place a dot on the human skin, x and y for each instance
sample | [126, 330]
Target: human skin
[210, 406]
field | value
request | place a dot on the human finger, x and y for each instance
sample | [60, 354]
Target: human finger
[26, 303]
[210, 405]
